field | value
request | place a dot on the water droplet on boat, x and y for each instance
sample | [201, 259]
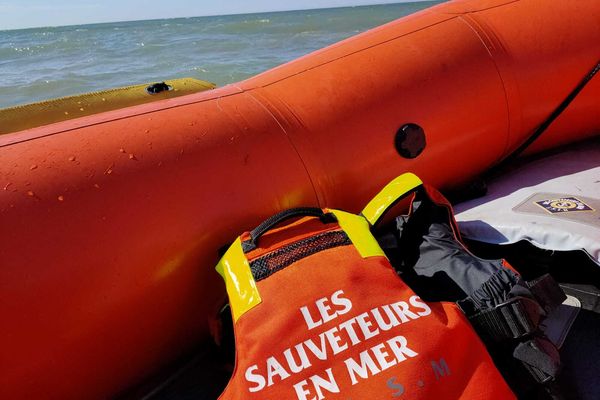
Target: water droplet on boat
[109, 169]
[66, 113]
[81, 109]
[30, 193]
[27, 183]
[61, 198]
[103, 99]
[132, 157]
[33, 167]
[122, 150]
[147, 131]
[96, 186]
[160, 163]
[181, 152]
[72, 158]
[7, 185]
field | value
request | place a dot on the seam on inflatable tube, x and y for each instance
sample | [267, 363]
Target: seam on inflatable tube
[252, 96]
[480, 31]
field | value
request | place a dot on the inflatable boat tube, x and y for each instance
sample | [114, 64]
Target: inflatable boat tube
[110, 223]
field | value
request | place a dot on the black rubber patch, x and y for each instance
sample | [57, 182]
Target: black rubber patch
[158, 88]
[410, 141]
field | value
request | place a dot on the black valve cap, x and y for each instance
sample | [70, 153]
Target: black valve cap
[410, 140]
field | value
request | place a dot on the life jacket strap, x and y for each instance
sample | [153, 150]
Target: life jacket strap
[391, 194]
[517, 320]
[520, 309]
[547, 292]
[513, 319]
[540, 358]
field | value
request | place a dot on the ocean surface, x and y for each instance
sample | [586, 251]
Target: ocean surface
[43, 63]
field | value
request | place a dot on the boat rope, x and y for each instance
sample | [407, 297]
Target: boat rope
[544, 125]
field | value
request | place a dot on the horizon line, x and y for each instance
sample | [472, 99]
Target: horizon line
[217, 15]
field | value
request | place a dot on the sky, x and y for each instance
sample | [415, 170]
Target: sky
[16, 14]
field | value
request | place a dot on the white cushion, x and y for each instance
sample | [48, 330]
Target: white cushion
[552, 202]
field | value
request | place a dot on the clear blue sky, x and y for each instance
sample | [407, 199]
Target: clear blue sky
[16, 14]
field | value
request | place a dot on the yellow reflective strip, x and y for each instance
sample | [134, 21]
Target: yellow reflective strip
[389, 195]
[240, 284]
[46, 112]
[358, 230]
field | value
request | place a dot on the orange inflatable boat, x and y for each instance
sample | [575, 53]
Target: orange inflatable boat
[110, 223]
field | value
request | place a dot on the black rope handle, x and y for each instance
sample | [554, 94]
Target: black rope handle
[256, 233]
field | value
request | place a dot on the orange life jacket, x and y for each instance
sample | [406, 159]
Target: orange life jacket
[319, 313]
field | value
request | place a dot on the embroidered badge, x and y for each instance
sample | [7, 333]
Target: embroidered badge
[563, 205]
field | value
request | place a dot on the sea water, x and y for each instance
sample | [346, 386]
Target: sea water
[43, 63]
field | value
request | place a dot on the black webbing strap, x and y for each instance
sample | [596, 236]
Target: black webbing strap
[547, 292]
[518, 316]
[540, 357]
[513, 319]
[517, 319]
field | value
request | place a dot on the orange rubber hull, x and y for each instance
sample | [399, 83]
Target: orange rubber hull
[110, 224]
